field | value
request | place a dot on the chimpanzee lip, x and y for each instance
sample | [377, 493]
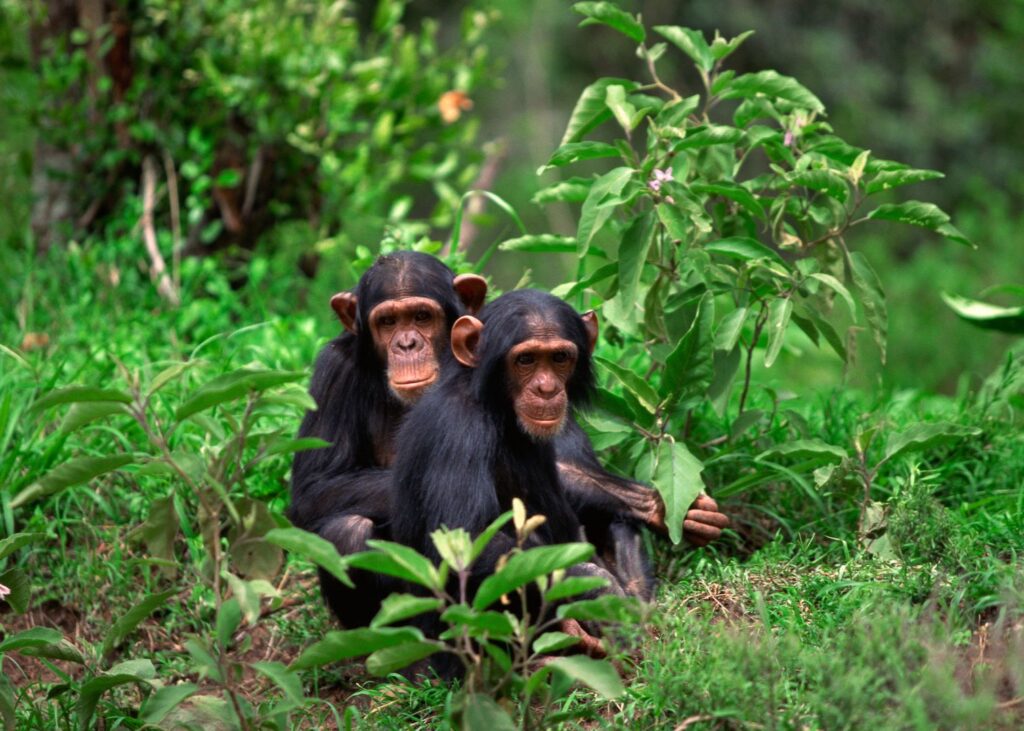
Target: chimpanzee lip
[417, 382]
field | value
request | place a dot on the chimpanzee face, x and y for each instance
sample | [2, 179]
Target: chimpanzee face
[538, 371]
[408, 334]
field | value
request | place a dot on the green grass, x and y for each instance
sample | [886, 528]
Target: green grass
[789, 622]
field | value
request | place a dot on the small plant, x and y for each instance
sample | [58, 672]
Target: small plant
[509, 671]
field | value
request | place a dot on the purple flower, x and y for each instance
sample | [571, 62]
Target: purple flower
[660, 176]
[4, 592]
[788, 139]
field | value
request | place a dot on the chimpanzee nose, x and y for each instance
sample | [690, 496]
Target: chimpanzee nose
[408, 343]
[546, 386]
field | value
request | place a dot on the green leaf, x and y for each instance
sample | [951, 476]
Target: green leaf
[91, 691]
[21, 591]
[779, 312]
[733, 192]
[745, 248]
[312, 548]
[86, 412]
[606, 608]
[481, 541]
[553, 642]
[689, 367]
[574, 586]
[169, 374]
[598, 675]
[829, 281]
[482, 713]
[395, 559]
[806, 449]
[78, 394]
[160, 529]
[234, 385]
[590, 111]
[496, 624]
[924, 437]
[72, 472]
[828, 181]
[229, 617]
[636, 242]
[677, 479]
[573, 190]
[290, 446]
[595, 212]
[165, 700]
[576, 151]
[775, 85]
[522, 568]
[345, 644]
[676, 223]
[730, 328]
[14, 542]
[606, 13]
[283, 678]
[872, 299]
[713, 134]
[131, 619]
[388, 660]
[987, 316]
[887, 179]
[691, 42]
[622, 110]
[721, 48]
[34, 637]
[918, 213]
[541, 244]
[62, 650]
[634, 384]
[402, 606]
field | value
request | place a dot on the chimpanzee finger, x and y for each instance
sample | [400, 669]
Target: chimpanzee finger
[695, 530]
[704, 502]
[719, 520]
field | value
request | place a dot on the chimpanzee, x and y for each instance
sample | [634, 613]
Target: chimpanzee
[397, 323]
[486, 433]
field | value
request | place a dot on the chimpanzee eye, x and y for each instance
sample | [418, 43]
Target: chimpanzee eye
[524, 359]
[422, 316]
[387, 321]
[560, 356]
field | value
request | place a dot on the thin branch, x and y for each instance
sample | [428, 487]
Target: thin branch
[484, 181]
[172, 195]
[158, 268]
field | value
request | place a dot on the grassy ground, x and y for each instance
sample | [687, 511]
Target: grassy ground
[789, 622]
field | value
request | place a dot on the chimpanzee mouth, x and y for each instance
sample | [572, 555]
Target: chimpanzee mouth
[415, 383]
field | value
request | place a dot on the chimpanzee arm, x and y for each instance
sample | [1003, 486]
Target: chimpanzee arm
[590, 487]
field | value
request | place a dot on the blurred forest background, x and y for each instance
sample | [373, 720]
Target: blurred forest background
[285, 168]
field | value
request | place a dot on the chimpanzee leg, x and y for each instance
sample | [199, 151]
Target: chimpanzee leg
[628, 561]
[354, 607]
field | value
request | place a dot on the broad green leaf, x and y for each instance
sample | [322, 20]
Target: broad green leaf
[289, 683]
[609, 14]
[17, 582]
[571, 152]
[715, 134]
[72, 472]
[290, 446]
[203, 661]
[496, 624]
[872, 299]
[127, 622]
[733, 192]
[598, 675]
[722, 48]
[925, 215]
[636, 242]
[402, 606]
[676, 223]
[481, 541]
[574, 586]
[633, 383]
[622, 110]
[229, 617]
[924, 437]
[606, 608]
[90, 692]
[160, 529]
[34, 637]
[169, 374]
[691, 42]
[589, 112]
[779, 312]
[312, 548]
[389, 659]
[887, 179]
[543, 243]
[775, 85]
[78, 394]
[522, 568]
[599, 275]
[595, 212]
[743, 247]
[345, 644]
[987, 316]
[573, 190]
[677, 479]
[86, 412]
[12, 543]
[730, 328]
[395, 559]
[482, 713]
[689, 367]
[726, 364]
[234, 385]
[165, 700]
[805, 449]
[552, 642]
[839, 288]
[829, 182]
[62, 650]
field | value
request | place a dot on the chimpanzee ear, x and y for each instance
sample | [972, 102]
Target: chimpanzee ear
[465, 340]
[344, 306]
[472, 289]
[590, 323]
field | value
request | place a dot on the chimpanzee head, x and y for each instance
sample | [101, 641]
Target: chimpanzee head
[402, 311]
[531, 351]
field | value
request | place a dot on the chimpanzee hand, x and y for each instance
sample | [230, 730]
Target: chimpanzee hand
[704, 522]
